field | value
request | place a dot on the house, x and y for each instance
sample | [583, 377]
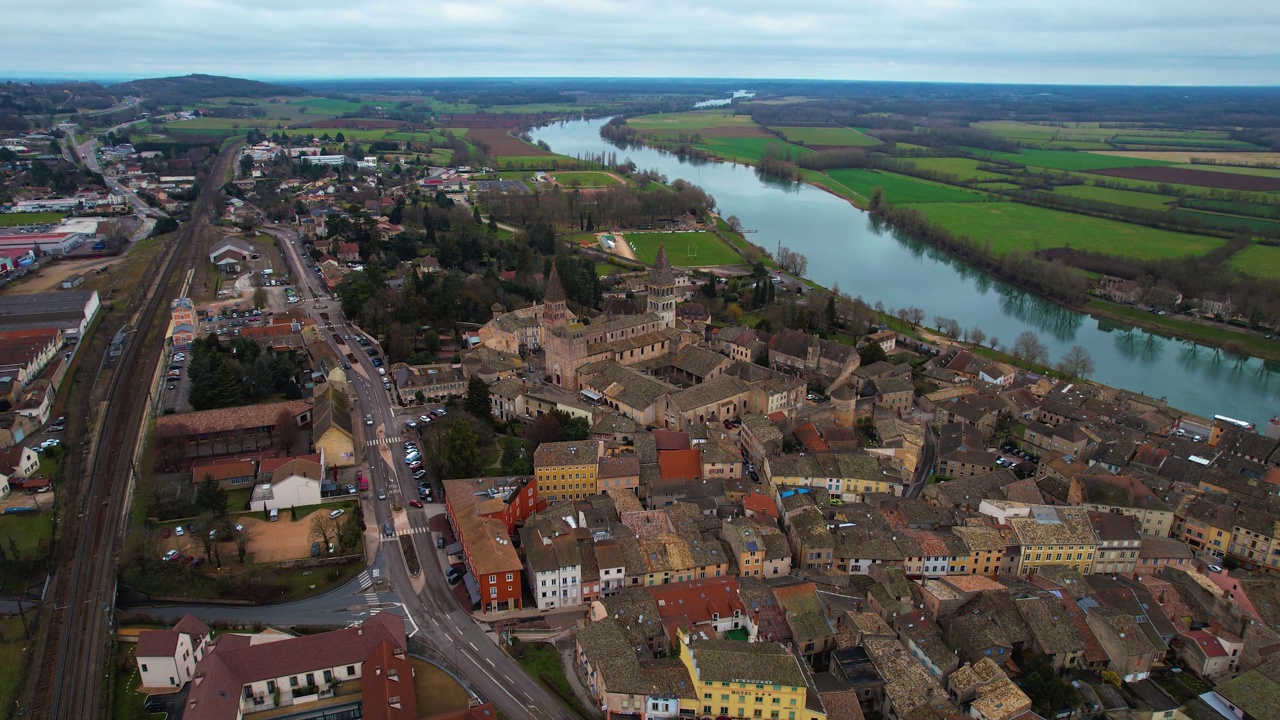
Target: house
[18, 462]
[507, 499]
[566, 470]
[1053, 536]
[167, 658]
[552, 558]
[1118, 289]
[493, 561]
[1067, 438]
[1207, 655]
[1126, 495]
[290, 490]
[798, 353]
[217, 432]
[349, 252]
[1118, 543]
[333, 428]
[962, 452]
[886, 339]
[231, 256]
[775, 676]
[892, 393]
[1131, 651]
[760, 550]
[240, 674]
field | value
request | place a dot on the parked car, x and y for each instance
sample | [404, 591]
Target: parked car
[238, 527]
[419, 474]
[415, 466]
[337, 513]
[178, 531]
[165, 532]
[315, 549]
[382, 493]
[170, 555]
[351, 489]
[415, 503]
[440, 542]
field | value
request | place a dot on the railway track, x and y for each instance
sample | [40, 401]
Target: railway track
[72, 667]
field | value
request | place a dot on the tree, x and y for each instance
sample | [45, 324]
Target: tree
[792, 261]
[578, 428]
[947, 326]
[350, 532]
[976, 335]
[477, 400]
[1076, 363]
[734, 223]
[543, 429]
[246, 164]
[1028, 347]
[871, 352]
[459, 450]
[877, 199]
[242, 539]
[911, 315]
[211, 498]
[324, 529]
[209, 539]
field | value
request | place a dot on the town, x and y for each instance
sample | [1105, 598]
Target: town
[363, 419]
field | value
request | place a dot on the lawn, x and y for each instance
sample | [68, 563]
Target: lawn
[1013, 227]
[328, 106]
[12, 647]
[827, 136]
[542, 661]
[900, 188]
[586, 178]
[127, 703]
[1146, 201]
[1259, 260]
[1068, 160]
[962, 168]
[684, 249]
[35, 218]
[436, 689]
[26, 532]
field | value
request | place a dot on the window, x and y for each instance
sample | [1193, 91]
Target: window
[328, 676]
[493, 578]
[144, 667]
[293, 681]
[493, 592]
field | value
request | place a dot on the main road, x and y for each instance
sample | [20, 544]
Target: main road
[434, 612]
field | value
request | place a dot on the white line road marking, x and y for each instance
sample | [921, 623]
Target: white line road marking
[473, 646]
[495, 667]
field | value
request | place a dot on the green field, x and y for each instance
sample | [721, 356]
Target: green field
[12, 646]
[900, 188]
[962, 168]
[690, 121]
[26, 532]
[585, 178]
[36, 218]
[1146, 201]
[827, 136]
[328, 106]
[684, 249]
[1184, 142]
[1259, 260]
[749, 149]
[1068, 160]
[535, 108]
[1013, 227]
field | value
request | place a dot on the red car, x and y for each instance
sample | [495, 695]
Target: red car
[164, 532]
[415, 503]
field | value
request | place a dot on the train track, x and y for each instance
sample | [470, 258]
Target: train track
[73, 668]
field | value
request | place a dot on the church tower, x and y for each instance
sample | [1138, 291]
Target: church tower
[662, 289]
[554, 311]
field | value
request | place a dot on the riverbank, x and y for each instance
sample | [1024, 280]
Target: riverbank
[1213, 335]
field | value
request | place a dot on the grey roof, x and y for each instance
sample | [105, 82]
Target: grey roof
[735, 661]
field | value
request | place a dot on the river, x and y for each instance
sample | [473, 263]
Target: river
[847, 247]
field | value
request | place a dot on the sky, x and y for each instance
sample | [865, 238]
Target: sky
[1137, 42]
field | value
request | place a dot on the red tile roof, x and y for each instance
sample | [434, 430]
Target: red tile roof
[1209, 644]
[680, 464]
[386, 685]
[671, 440]
[808, 436]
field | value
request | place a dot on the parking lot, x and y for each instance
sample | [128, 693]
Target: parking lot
[269, 542]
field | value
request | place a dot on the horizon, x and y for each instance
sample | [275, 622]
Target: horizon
[1175, 43]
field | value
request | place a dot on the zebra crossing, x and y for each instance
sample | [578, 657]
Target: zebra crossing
[370, 596]
[410, 531]
[384, 441]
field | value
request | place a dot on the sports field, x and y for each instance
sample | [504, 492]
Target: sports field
[684, 249]
[827, 136]
[900, 188]
[585, 178]
[1011, 227]
[36, 218]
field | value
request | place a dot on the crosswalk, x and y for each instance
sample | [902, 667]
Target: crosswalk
[384, 441]
[410, 531]
[370, 596]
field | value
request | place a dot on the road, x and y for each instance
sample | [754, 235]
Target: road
[89, 156]
[434, 612]
[925, 466]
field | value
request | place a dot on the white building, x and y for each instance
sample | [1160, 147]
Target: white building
[167, 658]
[553, 564]
[287, 492]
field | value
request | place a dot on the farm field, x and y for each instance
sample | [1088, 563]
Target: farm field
[1259, 171]
[1183, 141]
[534, 108]
[1230, 222]
[1067, 159]
[900, 188]
[1146, 201]
[585, 178]
[1186, 156]
[691, 122]
[684, 249]
[36, 218]
[827, 136]
[749, 149]
[502, 145]
[1202, 178]
[1258, 260]
[1010, 227]
[962, 168]
[328, 106]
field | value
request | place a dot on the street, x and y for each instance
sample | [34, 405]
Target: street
[434, 613]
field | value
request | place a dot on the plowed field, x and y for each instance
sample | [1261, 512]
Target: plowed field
[1202, 178]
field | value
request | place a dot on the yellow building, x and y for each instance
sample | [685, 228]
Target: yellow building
[566, 470]
[986, 551]
[736, 679]
[1054, 537]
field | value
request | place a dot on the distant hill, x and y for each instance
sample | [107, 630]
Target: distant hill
[199, 87]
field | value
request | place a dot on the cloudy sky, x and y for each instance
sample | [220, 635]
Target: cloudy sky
[1174, 42]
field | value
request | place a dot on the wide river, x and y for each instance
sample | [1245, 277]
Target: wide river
[847, 247]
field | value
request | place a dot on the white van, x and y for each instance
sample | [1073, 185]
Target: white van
[274, 515]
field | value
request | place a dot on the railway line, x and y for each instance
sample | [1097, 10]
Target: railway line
[73, 664]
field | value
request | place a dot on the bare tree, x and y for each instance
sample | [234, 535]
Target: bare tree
[913, 315]
[243, 538]
[1076, 362]
[1028, 347]
[992, 342]
[792, 261]
[324, 529]
[976, 336]
[734, 223]
[208, 537]
[947, 326]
